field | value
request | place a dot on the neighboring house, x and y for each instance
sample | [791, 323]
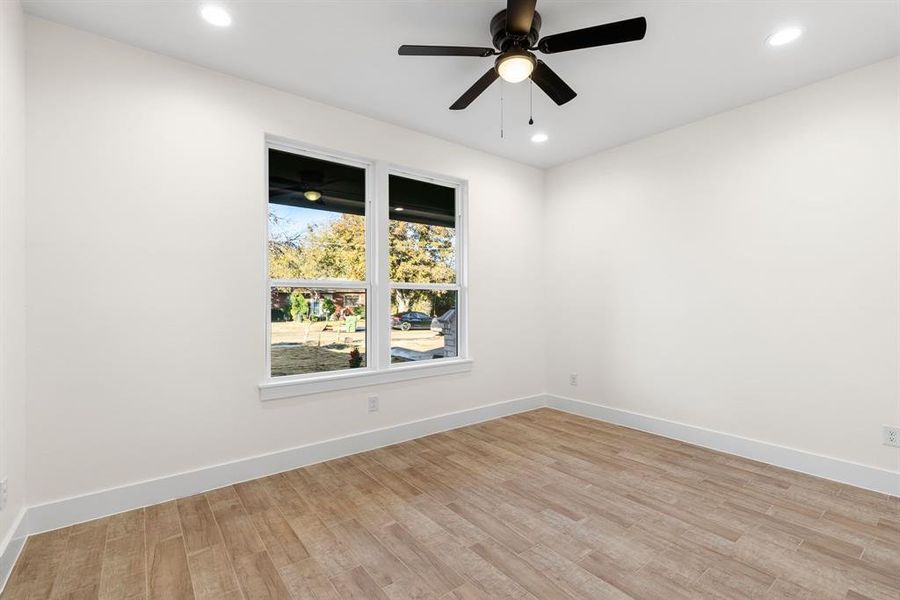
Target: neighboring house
[344, 303]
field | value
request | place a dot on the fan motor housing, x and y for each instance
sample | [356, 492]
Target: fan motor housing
[504, 41]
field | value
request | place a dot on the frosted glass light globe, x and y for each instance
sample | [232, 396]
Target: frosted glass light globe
[515, 68]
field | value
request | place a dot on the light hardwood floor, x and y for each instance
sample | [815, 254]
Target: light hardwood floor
[539, 505]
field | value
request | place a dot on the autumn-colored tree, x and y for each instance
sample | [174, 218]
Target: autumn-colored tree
[334, 250]
[418, 254]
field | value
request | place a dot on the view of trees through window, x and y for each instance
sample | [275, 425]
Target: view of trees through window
[422, 250]
[317, 235]
[302, 246]
[307, 244]
[317, 238]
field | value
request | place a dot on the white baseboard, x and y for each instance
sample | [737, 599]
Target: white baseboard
[12, 545]
[102, 503]
[69, 511]
[864, 476]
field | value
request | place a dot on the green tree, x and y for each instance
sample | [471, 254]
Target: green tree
[329, 306]
[299, 306]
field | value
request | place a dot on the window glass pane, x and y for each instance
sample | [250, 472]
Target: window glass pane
[422, 231]
[316, 330]
[423, 325]
[316, 218]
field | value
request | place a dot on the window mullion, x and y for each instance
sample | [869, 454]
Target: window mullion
[381, 282]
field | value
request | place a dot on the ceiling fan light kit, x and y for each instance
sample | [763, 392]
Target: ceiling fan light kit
[516, 35]
[515, 66]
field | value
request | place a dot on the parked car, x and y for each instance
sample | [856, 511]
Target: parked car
[444, 323]
[411, 320]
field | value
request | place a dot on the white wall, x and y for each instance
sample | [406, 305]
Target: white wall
[741, 273]
[12, 262]
[146, 267]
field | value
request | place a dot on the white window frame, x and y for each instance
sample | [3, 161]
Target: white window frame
[378, 369]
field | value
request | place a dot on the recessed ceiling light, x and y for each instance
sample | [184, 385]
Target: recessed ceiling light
[398, 209]
[215, 15]
[784, 36]
[540, 138]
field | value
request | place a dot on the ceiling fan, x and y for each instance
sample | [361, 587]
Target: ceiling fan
[515, 34]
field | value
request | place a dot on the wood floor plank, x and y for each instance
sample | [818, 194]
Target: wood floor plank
[168, 576]
[385, 476]
[569, 576]
[482, 574]
[161, 522]
[198, 524]
[539, 505]
[253, 496]
[506, 561]
[549, 530]
[37, 567]
[212, 575]
[280, 540]
[643, 584]
[452, 525]
[306, 580]
[83, 561]
[126, 524]
[466, 591]
[404, 511]
[259, 578]
[357, 584]
[783, 590]
[381, 564]
[438, 576]
[285, 497]
[491, 526]
[332, 554]
[238, 533]
[123, 575]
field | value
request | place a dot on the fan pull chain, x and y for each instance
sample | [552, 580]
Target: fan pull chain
[531, 102]
[501, 109]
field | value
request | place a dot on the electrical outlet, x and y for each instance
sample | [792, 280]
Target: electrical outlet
[3, 493]
[891, 436]
[573, 378]
[373, 403]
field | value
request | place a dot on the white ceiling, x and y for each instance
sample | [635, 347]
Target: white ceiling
[698, 58]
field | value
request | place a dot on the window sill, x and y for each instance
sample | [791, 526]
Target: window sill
[345, 380]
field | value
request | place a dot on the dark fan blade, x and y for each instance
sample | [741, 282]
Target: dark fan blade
[519, 15]
[443, 51]
[629, 30]
[558, 90]
[477, 88]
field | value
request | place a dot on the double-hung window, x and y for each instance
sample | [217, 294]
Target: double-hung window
[366, 272]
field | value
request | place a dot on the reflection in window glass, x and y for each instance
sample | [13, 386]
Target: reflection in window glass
[315, 330]
[423, 324]
[422, 232]
[316, 218]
